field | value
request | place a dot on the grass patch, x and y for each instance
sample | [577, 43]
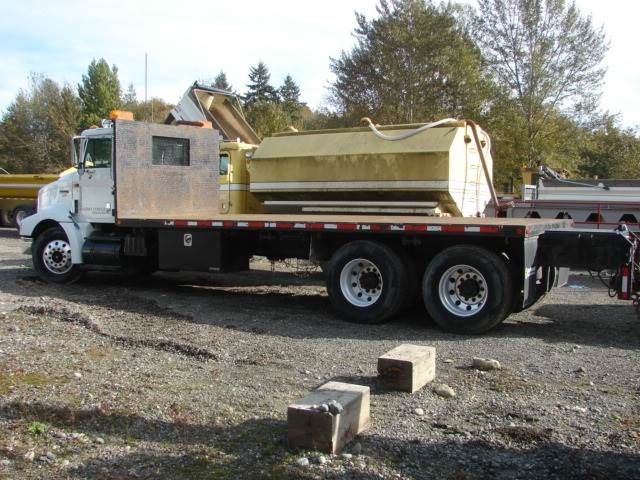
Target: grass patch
[198, 468]
[96, 353]
[33, 379]
[131, 441]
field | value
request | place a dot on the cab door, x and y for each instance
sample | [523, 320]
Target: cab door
[96, 200]
[224, 179]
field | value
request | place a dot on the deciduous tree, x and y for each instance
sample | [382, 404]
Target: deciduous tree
[266, 117]
[413, 63]
[547, 58]
[37, 126]
[610, 151]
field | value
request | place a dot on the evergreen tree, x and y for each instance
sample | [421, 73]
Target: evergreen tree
[222, 83]
[259, 88]
[289, 91]
[99, 91]
[290, 98]
[130, 97]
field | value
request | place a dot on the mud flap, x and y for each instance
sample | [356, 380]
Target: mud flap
[538, 280]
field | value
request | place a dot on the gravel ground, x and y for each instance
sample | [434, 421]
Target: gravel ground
[189, 376]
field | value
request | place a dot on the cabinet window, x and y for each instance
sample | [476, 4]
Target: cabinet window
[98, 153]
[224, 163]
[170, 151]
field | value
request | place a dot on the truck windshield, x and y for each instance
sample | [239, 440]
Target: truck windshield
[98, 153]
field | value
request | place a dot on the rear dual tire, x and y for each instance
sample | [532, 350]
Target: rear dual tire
[366, 282]
[467, 289]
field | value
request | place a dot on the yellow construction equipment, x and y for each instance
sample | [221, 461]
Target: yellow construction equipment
[436, 171]
[18, 195]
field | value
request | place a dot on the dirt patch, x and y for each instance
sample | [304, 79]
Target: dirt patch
[525, 434]
[65, 315]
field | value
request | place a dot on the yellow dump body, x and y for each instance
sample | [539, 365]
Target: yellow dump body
[24, 186]
[439, 166]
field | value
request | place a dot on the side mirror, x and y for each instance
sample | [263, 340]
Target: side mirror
[78, 150]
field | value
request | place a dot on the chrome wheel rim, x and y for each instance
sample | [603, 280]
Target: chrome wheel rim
[463, 290]
[361, 282]
[56, 257]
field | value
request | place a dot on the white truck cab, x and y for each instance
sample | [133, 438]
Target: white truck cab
[82, 197]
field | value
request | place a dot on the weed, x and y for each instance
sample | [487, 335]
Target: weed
[37, 428]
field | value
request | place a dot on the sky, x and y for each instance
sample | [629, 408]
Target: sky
[193, 39]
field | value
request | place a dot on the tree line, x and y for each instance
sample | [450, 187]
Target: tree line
[529, 71]
[36, 129]
[266, 108]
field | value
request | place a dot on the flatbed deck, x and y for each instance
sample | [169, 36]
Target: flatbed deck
[521, 227]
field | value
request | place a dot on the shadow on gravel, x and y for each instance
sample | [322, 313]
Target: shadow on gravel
[254, 302]
[15, 263]
[9, 233]
[257, 449]
[268, 303]
[601, 325]
[474, 459]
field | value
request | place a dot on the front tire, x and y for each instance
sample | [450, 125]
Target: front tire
[366, 282]
[467, 289]
[51, 255]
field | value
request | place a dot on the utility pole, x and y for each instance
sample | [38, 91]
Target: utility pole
[145, 77]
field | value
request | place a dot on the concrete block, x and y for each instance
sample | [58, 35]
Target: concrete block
[329, 417]
[407, 368]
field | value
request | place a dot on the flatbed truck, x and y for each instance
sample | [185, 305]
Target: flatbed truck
[145, 198]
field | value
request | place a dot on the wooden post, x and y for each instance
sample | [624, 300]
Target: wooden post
[311, 426]
[407, 368]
